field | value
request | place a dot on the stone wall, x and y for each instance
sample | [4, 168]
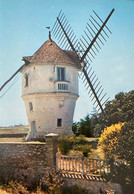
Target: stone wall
[94, 186]
[42, 78]
[27, 162]
[45, 102]
[47, 109]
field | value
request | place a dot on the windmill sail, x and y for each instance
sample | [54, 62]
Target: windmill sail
[63, 32]
[86, 50]
[96, 35]
[11, 77]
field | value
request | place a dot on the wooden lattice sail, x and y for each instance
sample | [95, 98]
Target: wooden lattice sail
[86, 48]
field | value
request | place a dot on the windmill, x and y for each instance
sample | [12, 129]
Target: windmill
[86, 48]
[50, 99]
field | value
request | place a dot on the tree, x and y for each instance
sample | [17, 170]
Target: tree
[121, 109]
[74, 128]
[108, 140]
[125, 147]
[125, 151]
[117, 141]
[83, 127]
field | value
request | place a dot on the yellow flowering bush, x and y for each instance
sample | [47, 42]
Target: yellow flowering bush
[109, 139]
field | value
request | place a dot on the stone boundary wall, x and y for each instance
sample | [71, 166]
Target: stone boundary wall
[27, 162]
[94, 186]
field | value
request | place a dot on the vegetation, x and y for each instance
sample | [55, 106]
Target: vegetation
[13, 133]
[108, 140]
[54, 184]
[124, 150]
[50, 184]
[83, 127]
[13, 187]
[78, 144]
[64, 146]
[117, 139]
[121, 109]
[116, 131]
[125, 147]
[115, 127]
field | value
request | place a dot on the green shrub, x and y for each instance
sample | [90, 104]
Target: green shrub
[64, 146]
[118, 141]
[81, 139]
[69, 142]
[84, 127]
[108, 140]
[51, 183]
[85, 151]
[74, 128]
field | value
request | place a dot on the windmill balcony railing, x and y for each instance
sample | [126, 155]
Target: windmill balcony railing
[62, 86]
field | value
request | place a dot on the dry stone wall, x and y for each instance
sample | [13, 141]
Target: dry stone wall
[27, 162]
[94, 187]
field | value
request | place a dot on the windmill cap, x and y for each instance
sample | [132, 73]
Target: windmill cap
[49, 52]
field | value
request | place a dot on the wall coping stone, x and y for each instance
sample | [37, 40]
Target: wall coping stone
[52, 135]
[34, 143]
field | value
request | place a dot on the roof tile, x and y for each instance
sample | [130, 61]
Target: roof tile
[49, 52]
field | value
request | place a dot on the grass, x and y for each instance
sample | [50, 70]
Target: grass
[17, 134]
[14, 129]
[13, 134]
[82, 145]
[94, 153]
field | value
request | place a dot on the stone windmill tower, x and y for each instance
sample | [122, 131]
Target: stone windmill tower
[50, 89]
[50, 76]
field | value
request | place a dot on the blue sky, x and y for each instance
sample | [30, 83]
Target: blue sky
[22, 24]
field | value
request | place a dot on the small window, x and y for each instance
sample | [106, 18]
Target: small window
[61, 73]
[30, 106]
[59, 122]
[26, 79]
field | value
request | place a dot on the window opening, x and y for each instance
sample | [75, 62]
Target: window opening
[33, 128]
[59, 122]
[26, 79]
[30, 106]
[61, 74]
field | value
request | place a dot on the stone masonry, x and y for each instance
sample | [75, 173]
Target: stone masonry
[94, 186]
[27, 162]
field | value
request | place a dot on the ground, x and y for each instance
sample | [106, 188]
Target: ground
[3, 192]
[16, 134]
[13, 133]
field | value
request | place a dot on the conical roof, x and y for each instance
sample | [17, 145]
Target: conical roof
[49, 52]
